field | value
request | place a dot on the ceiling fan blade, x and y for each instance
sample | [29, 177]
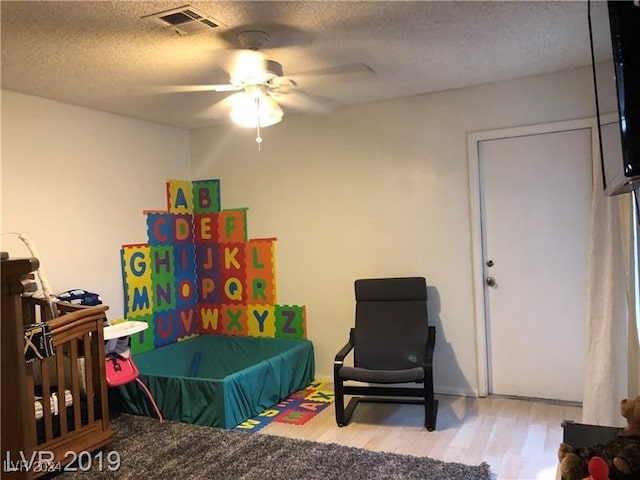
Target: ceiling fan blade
[219, 109]
[196, 88]
[242, 66]
[355, 69]
[304, 102]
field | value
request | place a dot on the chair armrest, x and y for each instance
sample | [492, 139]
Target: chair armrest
[344, 351]
[430, 347]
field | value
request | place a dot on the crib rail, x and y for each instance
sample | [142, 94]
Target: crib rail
[77, 426]
[70, 383]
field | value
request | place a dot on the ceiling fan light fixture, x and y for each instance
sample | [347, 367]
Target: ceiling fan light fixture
[252, 69]
[250, 110]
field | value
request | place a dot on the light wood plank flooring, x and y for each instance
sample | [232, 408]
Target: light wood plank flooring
[517, 438]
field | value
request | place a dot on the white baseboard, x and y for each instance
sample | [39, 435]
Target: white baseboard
[458, 391]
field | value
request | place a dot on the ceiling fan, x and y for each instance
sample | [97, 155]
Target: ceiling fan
[261, 86]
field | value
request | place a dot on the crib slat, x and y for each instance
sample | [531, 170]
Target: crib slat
[31, 415]
[77, 418]
[61, 388]
[46, 398]
[88, 368]
[29, 315]
[97, 347]
[46, 312]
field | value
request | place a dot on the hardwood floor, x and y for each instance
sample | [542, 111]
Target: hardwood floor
[517, 438]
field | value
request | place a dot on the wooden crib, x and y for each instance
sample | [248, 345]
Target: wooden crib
[55, 410]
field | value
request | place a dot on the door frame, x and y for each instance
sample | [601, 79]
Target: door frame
[478, 240]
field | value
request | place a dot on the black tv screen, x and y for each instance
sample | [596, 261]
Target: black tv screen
[615, 48]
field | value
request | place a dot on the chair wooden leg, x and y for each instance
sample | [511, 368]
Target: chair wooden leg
[339, 401]
[351, 406]
[430, 403]
[430, 414]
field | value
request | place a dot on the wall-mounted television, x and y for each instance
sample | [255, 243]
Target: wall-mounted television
[614, 29]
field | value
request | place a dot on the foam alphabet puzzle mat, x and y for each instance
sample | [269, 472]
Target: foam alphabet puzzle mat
[298, 409]
[199, 272]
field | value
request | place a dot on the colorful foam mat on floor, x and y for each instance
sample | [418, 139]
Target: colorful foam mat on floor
[298, 409]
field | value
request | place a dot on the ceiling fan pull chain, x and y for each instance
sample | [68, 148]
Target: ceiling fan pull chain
[258, 137]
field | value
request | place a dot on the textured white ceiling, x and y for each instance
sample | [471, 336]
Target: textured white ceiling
[102, 55]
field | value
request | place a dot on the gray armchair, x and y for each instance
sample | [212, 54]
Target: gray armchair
[392, 343]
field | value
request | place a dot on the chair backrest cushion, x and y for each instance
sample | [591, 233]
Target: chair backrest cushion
[391, 325]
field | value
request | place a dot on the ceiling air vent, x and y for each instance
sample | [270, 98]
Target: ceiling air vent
[185, 20]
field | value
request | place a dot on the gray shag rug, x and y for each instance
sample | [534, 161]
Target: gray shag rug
[150, 449]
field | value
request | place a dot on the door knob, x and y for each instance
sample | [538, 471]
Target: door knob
[491, 281]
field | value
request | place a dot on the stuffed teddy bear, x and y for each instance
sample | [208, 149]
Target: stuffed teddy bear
[622, 455]
[630, 409]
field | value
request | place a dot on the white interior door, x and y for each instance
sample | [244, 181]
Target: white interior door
[535, 195]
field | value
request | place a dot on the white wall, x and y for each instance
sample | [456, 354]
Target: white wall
[374, 190]
[378, 190]
[76, 181]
